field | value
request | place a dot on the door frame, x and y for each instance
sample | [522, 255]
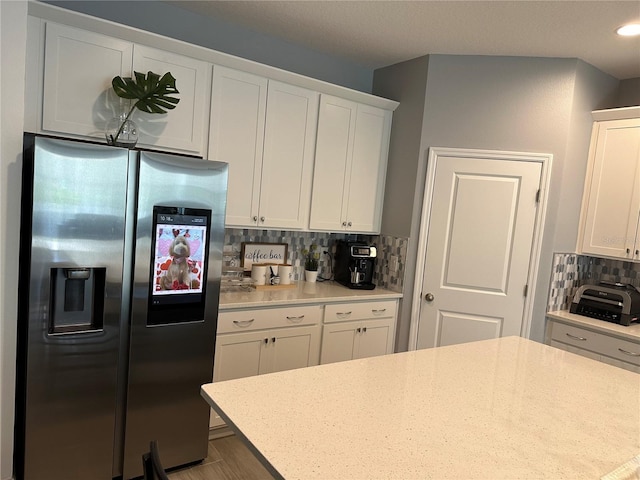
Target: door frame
[442, 153]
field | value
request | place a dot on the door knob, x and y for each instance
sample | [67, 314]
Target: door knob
[429, 297]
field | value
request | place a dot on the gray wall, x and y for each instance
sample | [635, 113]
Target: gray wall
[498, 103]
[171, 21]
[628, 93]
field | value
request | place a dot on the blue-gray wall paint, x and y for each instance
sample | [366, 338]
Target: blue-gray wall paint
[171, 21]
[495, 103]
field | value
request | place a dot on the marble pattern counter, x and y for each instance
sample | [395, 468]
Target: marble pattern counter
[500, 409]
[302, 293]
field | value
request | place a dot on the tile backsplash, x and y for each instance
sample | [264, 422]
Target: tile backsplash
[571, 271]
[390, 249]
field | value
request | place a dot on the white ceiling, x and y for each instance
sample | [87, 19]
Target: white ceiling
[378, 33]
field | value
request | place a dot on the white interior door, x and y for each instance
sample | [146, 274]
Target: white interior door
[478, 249]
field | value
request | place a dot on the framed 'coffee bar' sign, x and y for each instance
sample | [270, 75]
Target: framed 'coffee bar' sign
[263, 253]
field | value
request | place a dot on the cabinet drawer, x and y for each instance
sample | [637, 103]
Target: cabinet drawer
[341, 312]
[602, 344]
[623, 350]
[261, 318]
[578, 337]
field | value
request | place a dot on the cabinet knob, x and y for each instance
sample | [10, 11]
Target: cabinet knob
[344, 224]
[349, 224]
[364, 329]
[358, 329]
[266, 340]
[262, 219]
[273, 339]
[255, 218]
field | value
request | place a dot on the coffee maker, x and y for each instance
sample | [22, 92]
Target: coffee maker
[355, 262]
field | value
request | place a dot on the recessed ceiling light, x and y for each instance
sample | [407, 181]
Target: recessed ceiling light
[629, 30]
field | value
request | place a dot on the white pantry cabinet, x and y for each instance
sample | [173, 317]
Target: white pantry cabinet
[266, 131]
[358, 330]
[611, 205]
[258, 341]
[78, 99]
[350, 166]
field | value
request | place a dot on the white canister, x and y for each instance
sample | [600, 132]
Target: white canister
[259, 273]
[285, 272]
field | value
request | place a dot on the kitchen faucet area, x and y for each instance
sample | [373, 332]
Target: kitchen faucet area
[319, 240]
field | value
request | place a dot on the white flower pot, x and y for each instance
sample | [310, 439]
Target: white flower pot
[310, 276]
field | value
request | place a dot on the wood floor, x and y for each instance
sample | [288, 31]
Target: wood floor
[228, 459]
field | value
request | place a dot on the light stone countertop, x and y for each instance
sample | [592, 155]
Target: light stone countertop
[630, 332]
[497, 409]
[302, 293]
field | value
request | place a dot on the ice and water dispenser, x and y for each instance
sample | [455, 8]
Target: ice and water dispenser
[77, 299]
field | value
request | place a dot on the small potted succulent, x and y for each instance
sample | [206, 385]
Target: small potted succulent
[311, 258]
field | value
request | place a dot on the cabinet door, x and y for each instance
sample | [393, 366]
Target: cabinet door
[287, 161]
[239, 355]
[368, 169]
[184, 127]
[334, 150]
[374, 338]
[613, 202]
[236, 136]
[338, 342]
[78, 70]
[291, 348]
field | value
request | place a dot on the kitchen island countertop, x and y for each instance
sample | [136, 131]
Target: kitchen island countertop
[301, 293]
[500, 409]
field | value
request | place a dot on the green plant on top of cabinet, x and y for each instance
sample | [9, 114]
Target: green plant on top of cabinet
[266, 131]
[77, 97]
[350, 166]
[610, 224]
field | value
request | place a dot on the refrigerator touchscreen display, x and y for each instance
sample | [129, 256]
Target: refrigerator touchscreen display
[179, 256]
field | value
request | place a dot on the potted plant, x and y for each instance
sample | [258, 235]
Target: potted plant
[311, 258]
[149, 93]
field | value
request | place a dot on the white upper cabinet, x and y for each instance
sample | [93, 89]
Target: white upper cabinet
[78, 98]
[236, 136]
[350, 166]
[611, 207]
[78, 69]
[185, 126]
[265, 130]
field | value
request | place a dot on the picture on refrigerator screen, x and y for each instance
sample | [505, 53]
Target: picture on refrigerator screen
[179, 256]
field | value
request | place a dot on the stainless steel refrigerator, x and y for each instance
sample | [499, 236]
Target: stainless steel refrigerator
[120, 262]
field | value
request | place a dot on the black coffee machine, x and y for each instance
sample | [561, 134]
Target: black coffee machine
[355, 262]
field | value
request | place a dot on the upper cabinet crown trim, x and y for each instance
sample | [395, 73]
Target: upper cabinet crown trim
[616, 113]
[78, 20]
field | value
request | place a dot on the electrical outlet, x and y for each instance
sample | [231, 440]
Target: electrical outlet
[393, 263]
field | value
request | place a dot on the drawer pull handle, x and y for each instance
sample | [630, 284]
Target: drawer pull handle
[344, 314]
[296, 319]
[382, 310]
[632, 354]
[582, 339]
[243, 323]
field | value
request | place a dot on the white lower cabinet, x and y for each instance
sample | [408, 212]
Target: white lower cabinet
[595, 345]
[358, 330]
[257, 341]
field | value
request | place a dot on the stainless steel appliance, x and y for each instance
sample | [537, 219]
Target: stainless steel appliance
[118, 304]
[612, 302]
[355, 264]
